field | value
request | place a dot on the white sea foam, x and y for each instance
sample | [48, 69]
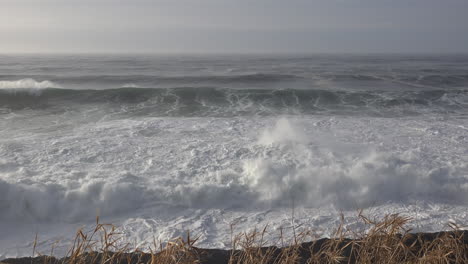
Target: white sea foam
[286, 159]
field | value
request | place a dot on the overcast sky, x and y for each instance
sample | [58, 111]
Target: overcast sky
[234, 26]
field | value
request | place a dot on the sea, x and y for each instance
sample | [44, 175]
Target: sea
[159, 145]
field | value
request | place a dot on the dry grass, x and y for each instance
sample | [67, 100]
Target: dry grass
[385, 241]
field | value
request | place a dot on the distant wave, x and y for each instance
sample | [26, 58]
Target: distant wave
[130, 85]
[28, 83]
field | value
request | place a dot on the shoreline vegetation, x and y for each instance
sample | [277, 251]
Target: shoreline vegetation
[387, 240]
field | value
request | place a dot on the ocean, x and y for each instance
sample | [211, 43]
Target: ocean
[159, 145]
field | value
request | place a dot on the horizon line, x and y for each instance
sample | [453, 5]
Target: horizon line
[221, 53]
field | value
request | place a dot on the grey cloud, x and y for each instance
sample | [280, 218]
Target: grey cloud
[234, 26]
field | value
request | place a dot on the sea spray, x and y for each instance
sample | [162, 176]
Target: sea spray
[316, 173]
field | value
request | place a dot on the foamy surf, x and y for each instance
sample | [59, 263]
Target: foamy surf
[197, 152]
[264, 165]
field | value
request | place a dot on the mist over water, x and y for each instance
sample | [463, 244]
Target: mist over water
[168, 144]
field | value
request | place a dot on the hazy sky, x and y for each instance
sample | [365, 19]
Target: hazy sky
[194, 26]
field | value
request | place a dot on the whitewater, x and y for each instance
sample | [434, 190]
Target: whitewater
[159, 145]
